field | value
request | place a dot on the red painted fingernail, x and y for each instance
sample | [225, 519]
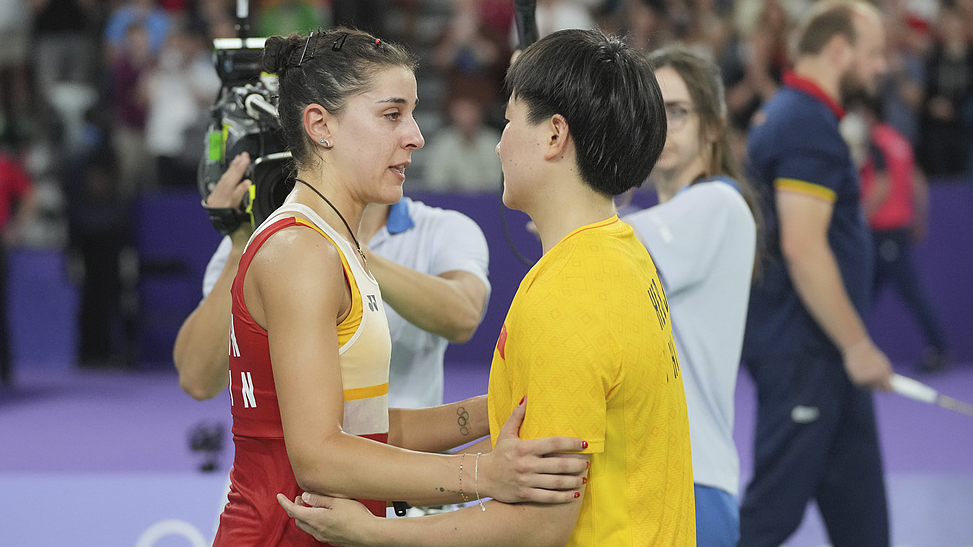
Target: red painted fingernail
[584, 444]
[577, 494]
[584, 480]
[524, 398]
[587, 465]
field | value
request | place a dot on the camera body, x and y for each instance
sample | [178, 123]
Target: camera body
[244, 119]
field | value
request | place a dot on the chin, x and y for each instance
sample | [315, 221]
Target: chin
[389, 193]
[391, 198]
[510, 200]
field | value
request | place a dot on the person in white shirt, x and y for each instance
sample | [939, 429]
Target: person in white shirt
[431, 264]
[703, 239]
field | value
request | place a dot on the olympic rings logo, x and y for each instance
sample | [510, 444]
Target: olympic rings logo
[172, 527]
[464, 418]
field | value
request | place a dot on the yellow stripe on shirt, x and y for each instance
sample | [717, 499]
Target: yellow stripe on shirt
[807, 188]
[366, 392]
[349, 325]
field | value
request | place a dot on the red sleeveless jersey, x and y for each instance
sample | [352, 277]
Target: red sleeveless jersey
[261, 468]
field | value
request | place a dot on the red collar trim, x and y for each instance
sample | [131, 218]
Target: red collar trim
[794, 81]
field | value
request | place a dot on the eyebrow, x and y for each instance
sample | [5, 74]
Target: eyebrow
[396, 100]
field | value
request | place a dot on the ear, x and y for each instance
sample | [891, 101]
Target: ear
[712, 133]
[316, 122]
[840, 52]
[557, 140]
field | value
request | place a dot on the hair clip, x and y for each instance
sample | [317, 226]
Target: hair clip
[303, 53]
[339, 42]
[378, 42]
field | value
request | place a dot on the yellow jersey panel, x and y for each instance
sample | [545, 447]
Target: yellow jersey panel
[588, 341]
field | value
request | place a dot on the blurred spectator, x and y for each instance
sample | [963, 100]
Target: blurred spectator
[497, 15]
[902, 88]
[410, 18]
[895, 202]
[947, 115]
[701, 26]
[180, 91]
[471, 56]
[282, 17]
[555, 15]
[16, 206]
[646, 25]
[755, 60]
[99, 230]
[128, 99]
[14, 87]
[463, 155]
[367, 15]
[64, 50]
[219, 18]
[156, 21]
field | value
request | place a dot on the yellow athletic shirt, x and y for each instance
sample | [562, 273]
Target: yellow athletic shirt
[588, 341]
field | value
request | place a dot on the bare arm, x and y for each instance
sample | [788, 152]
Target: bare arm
[812, 266]
[346, 522]
[200, 352]
[439, 428]
[300, 317]
[450, 304]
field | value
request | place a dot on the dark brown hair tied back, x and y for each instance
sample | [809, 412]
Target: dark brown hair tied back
[324, 67]
[278, 50]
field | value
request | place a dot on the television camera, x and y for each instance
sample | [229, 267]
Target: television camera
[244, 119]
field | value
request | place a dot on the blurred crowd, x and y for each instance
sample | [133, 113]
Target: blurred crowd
[102, 100]
[134, 79]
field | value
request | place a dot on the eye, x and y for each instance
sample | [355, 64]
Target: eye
[676, 112]
[393, 116]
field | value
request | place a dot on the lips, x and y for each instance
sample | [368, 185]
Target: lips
[399, 169]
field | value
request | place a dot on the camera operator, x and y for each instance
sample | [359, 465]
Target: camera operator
[430, 263]
[200, 350]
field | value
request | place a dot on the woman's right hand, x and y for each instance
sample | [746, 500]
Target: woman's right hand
[537, 470]
[232, 186]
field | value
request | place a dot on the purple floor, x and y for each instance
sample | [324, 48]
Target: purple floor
[109, 454]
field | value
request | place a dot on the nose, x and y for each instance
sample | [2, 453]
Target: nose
[414, 139]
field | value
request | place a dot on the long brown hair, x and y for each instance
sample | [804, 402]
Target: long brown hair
[705, 83]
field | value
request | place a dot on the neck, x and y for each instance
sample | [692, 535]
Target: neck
[574, 205]
[331, 203]
[373, 218]
[666, 188]
[668, 182]
[823, 73]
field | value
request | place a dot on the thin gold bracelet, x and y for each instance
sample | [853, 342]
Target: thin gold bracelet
[476, 475]
[462, 496]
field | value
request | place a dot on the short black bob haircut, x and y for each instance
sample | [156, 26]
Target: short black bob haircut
[609, 96]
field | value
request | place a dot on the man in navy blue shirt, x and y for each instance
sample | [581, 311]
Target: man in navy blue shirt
[806, 344]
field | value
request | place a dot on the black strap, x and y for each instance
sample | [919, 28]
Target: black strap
[226, 220]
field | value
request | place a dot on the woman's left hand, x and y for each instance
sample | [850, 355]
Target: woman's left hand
[337, 521]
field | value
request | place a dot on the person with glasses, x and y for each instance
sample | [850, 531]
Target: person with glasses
[588, 335]
[703, 238]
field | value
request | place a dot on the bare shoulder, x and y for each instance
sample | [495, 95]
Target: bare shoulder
[297, 270]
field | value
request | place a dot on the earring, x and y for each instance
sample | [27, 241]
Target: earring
[325, 143]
